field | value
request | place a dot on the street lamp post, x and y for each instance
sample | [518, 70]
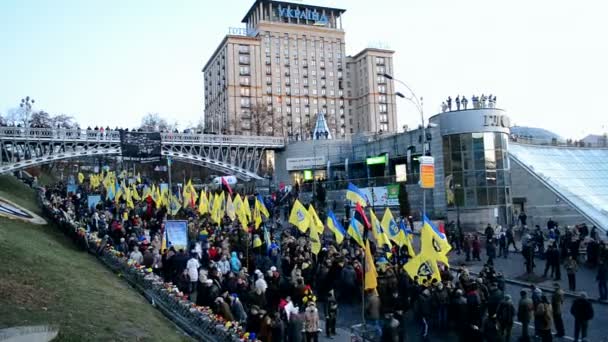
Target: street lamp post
[418, 102]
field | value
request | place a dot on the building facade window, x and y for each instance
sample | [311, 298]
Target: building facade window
[477, 171]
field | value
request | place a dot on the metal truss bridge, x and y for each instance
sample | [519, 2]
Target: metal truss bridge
[237, 154]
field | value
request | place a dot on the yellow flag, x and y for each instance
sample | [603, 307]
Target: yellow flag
[432, 245]
[230, 210]
[134, 193]
[138, 178]
[379, 234]
[315, 221]
[257, 217]
[246, 208]
[118, 194]
[299, 216]
[423, 267]
[240, 211]
[315, 241]
[203, 203]
[80, 177]
[371, 276]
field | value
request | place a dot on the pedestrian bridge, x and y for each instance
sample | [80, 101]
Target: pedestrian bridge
[233, 154]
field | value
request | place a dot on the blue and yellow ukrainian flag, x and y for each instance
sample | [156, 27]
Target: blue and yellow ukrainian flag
[355, 195]
[355, 229]
[334, 225]
[259, 203]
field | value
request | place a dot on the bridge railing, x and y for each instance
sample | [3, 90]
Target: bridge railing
[212, 139]
[112, 135]
[58, 134]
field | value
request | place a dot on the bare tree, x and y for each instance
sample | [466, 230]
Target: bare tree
[41, 119]
[153, 122]
[261, 118]
[64, 121]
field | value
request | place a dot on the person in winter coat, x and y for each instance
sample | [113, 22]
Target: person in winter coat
[424, 311]
[505, 314]
[223, 265]
[136, 256]
[311, 322]
[582, 310]
[476, 246]
[390, 329]
[223, 309]
[557, 301]
[331, 314]
[295, 326]
[544, 317]
[524, 314]
[460, 313]
[237, 309]
[235, 263]
[571, 267]
[372, 309]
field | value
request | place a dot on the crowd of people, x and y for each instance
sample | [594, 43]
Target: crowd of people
[281, 291]
[461, 102]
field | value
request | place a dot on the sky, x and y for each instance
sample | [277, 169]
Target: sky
[111, 62]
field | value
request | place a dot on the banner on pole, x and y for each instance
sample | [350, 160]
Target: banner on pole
[92, 200]
[177, 234]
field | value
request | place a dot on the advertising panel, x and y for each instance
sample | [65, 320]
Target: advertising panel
[177, 234]
[427, 172]
[140, 146]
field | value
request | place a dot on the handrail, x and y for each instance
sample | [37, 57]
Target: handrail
[113, 135]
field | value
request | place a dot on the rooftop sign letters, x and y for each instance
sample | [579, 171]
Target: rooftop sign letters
[305, 13]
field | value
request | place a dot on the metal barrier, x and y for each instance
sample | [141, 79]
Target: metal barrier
[182, 312]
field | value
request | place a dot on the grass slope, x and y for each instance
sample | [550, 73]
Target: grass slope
[44, 279]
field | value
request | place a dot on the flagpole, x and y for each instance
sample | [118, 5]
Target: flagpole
[170, 187]
[365, 233]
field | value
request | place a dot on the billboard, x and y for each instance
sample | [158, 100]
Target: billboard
[177, 234]
[427, 172]
[401, 173]
[383, 195]
[140, 146]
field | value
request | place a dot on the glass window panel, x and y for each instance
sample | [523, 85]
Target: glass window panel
[490, 159]
[501, 197]
[482, 197]
[466, 142]
[478, 156]
[469, 179]
[491, 178]
[477, 141]
[498, 140]
[467, 161]
[447, 162]
[446, 145]
[500, 178]
[492, 196]
[499, 159]
[480, 176]
[459, 197]
[470, 197]
[488, 141]
[456, 162]
[455, 142]
[458, 179]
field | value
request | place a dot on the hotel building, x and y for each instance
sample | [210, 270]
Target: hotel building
[288, 65]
